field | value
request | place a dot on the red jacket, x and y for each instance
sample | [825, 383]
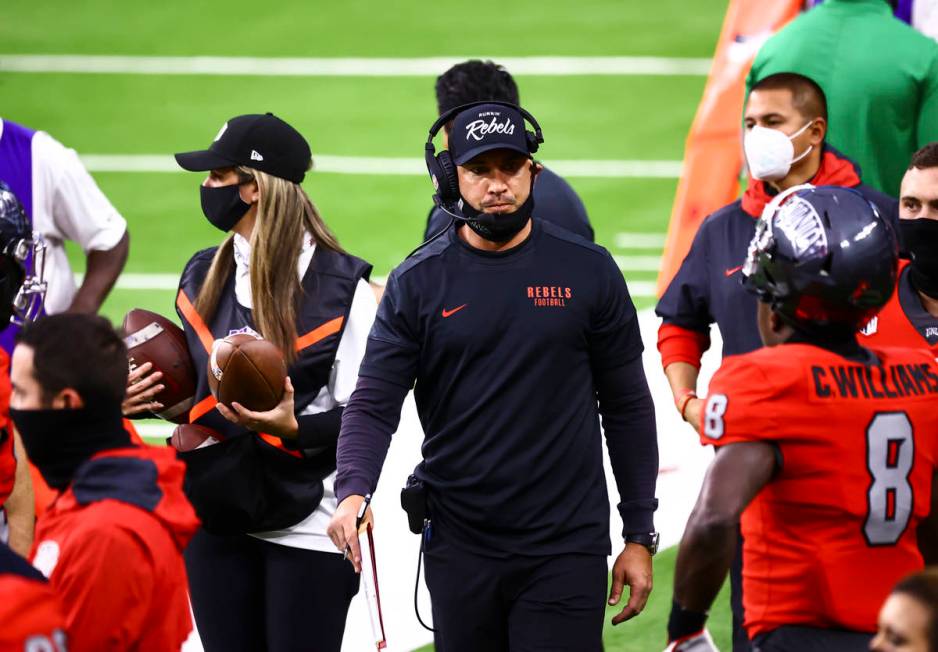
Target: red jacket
[112, 544]
[7, 458]
[29, 610]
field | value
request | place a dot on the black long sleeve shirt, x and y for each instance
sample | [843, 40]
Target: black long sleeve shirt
[515, 355]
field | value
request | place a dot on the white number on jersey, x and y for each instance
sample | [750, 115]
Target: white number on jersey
[713, 415]
[890, 450]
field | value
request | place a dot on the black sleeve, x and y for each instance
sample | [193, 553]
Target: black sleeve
[686, 302]
[388, 371]
[628, 413]
[393, 351]
[370, 418]
[316, 430]
[628, 417]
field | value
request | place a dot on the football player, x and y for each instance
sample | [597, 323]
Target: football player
[911, 316]
[828, 451]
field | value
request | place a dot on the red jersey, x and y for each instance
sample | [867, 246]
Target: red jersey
[827, 538]
[112, 544]
[29, 610]
[892, 326]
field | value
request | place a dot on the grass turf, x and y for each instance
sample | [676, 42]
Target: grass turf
[377, 217]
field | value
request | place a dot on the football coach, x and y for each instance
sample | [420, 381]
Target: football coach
[517, 336]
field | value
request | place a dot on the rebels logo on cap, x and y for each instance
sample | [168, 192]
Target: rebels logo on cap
[486, 127]
[477, 129]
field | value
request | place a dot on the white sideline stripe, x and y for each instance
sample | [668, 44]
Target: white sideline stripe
[346, 67]
[642, 288]
[171, 281]
[394, 166]
[130, 281]
[154, 429]
[638, 263]
[640, 240]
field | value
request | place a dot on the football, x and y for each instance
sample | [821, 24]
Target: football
[247, 369]
[153, 338]
[188, 437]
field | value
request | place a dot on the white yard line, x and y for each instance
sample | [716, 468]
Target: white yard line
[639, 240]
[347, 67]
[638, 263]
[395, 166]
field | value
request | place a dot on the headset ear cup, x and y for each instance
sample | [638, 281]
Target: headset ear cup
[532, 141]
[449, 181]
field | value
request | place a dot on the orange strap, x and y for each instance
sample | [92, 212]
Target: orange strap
[202, 408]
[195, 320]
[277, 443]
[319, 333]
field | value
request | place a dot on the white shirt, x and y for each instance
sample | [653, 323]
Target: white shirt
[310, 533]
[67, 205]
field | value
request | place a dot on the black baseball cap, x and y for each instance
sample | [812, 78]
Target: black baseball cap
[485, 127]
[260, 141]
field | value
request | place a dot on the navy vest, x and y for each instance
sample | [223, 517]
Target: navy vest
[250, 482]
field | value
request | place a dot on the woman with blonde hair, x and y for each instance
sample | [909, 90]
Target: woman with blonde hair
[263, 573]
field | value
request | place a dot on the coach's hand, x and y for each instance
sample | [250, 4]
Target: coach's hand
[632, 567]
[692, 412]
[343, 531]
[280, 422]
[142, 386]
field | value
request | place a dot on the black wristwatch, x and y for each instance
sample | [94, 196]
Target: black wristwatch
[647, 539]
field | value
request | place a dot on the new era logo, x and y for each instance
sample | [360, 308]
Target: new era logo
[255, 156]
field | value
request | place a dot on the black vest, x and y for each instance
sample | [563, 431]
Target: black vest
[250, 482]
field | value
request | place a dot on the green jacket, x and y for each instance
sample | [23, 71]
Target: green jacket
[880, 77]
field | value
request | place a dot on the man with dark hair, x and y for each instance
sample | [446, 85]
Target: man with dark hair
[519, 336]
[784, 144]
[111, 544]
[475, 81]
[911, 316]
[826, 449]
[880, 76]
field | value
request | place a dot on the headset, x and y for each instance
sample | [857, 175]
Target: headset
[441, 167]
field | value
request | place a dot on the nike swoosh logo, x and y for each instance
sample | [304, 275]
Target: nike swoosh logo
[447, 313]
[732, 270]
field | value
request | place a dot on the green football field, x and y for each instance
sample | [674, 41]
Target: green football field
[380, 217]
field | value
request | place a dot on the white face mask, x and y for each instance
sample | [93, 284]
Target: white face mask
[770, 153]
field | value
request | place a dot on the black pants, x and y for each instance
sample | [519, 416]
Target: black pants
[793, 638]
[521, 604]
[252, 595]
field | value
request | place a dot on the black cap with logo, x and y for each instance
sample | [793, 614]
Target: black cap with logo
[260, 141]
[486, 127]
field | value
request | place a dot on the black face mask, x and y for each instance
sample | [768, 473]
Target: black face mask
[223, 206]
[499, 227]
[59, 441]
[920, 239]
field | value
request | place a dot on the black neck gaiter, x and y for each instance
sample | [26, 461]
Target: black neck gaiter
[920, 239]
[499, 227]
[59, 441]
